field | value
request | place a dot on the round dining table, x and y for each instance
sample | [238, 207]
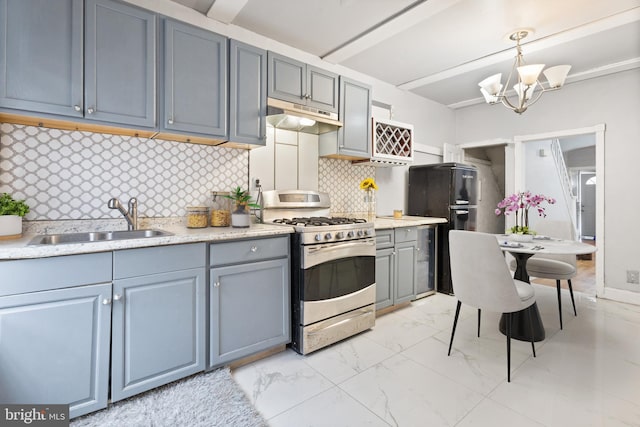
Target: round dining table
[522, 323]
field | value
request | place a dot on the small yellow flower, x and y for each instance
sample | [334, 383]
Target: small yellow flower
[368, 183]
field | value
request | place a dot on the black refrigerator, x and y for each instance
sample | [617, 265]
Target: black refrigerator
[446, 190]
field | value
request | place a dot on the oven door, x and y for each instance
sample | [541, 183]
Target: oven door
[337, 278]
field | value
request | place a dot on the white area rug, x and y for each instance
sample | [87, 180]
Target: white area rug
[210, 399]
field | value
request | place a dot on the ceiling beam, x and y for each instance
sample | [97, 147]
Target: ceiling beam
[226, 11]
[407, 18]
[603, 24]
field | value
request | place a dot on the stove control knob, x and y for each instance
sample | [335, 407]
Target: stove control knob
[359, 233]
[327, 236]
[350, 234]
[365, 232]
[339, 235]
[318, 237]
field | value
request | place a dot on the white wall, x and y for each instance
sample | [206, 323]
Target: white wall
[612, 100]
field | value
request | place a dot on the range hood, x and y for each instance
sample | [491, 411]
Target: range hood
[300, 118]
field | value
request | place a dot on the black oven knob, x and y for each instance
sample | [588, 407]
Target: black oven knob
[339, 235]
[318, 237]
[327, 236]
[365, 232]
[359, 233]
[350, 234]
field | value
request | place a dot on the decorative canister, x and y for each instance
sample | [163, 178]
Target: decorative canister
[197, 216]
[220, 205]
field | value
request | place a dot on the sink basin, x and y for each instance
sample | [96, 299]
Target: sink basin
[95, 236]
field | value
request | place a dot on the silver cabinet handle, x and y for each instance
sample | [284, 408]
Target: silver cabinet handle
[117, 297]
[216, 285]
[254, 249]
[77, 107]
[418, 249]
[170, 121]
[106, 301]
[90, 110]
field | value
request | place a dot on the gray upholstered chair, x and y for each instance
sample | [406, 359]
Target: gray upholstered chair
[555, 267]
[481, 279]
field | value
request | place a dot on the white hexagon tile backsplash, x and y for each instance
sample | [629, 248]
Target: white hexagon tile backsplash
[71, 174]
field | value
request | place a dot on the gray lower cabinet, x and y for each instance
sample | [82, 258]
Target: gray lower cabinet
[41, 56]
[396, 260]
[55, 323]
[249, 298]
[120, 63]
[295, 81]
[247, 93]
[195, 80]
[159, 322]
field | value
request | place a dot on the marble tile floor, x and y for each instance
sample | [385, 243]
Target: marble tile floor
[398, 373]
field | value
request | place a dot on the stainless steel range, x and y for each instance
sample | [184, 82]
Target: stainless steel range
[333, 287]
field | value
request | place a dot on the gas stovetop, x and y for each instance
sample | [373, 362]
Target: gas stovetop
[318, 221]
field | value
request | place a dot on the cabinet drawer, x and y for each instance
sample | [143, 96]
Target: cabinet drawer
[159, 259]
[384, 239]
[33, 275]
[406, 234]
[249, 250]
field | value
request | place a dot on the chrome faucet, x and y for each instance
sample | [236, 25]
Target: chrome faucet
[131, 215]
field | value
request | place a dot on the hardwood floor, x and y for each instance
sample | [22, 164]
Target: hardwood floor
[585, 280]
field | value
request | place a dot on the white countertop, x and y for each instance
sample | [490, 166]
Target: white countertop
[382, 222]
[19, 248]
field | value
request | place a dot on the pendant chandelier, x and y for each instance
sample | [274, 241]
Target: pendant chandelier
[527, 88]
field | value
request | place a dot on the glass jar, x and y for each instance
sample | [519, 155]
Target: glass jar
[197, 216]
[220, 205]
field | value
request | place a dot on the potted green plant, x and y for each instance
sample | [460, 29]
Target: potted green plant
[242, 202]
[11, 213]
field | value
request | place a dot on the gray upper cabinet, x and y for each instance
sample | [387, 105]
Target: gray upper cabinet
[354, 138]
[295, 81]
[195, 80]
[120, 63]
[247, 93]
[41, 56]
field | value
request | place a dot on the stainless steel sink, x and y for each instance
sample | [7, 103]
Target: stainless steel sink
[95, 236]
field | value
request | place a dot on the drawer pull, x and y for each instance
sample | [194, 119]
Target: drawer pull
[106, 301]
[254, 249]
[216, 284]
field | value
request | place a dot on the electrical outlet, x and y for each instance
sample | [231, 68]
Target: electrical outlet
[633, 276]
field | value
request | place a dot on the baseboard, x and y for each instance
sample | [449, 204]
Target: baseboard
[621, 295]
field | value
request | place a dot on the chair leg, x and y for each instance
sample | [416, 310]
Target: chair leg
[533, 346]
[572, 301]
[479, 323]
[508, 347]
[559, 302]
[453, 331]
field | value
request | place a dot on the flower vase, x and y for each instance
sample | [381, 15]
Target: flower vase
[521, 238]
[370, 201]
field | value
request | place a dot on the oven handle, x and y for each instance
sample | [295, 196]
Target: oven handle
[314, 255]
[342, 322]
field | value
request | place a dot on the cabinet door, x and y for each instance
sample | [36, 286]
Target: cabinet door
[54, 348]
[354, 137]
[287, 79]
[158, 330]
[385, 277]
[322, 89]
[41, 56]
[247, 93]
[195, 80]
[249, 309]
[405, 272]
[120, 61]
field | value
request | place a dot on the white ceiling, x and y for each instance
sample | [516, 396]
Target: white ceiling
[441, 49]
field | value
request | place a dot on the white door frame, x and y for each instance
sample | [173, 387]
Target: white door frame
[598, 130]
